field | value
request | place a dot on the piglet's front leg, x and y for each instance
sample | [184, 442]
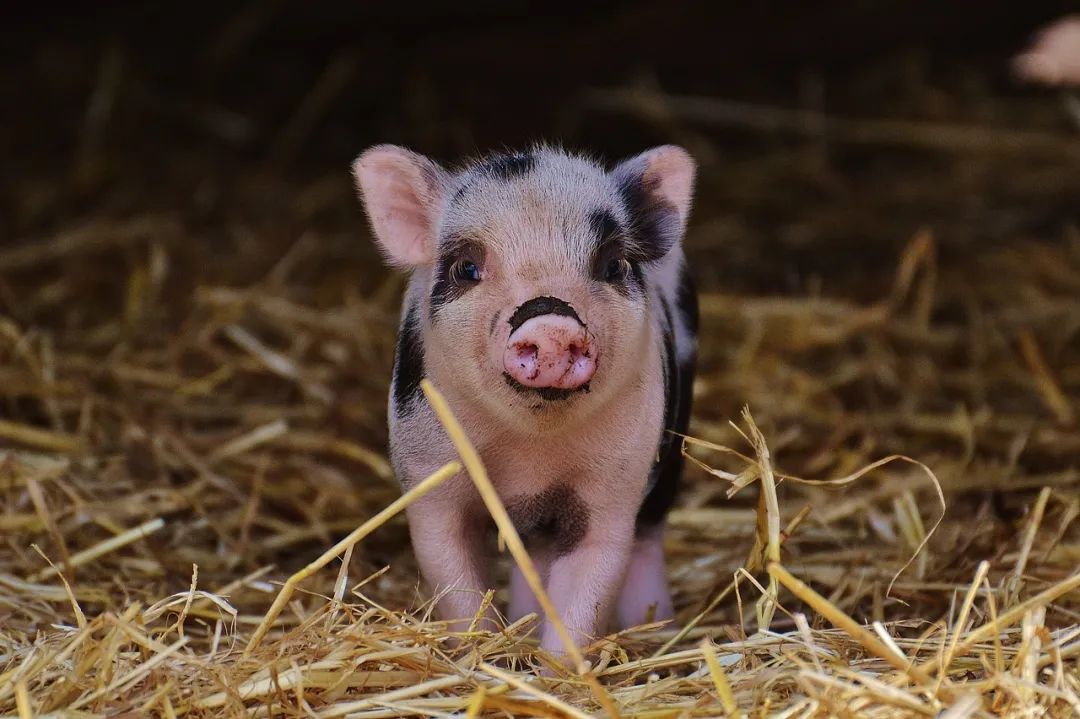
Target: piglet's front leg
[585, 581]
[449, 547]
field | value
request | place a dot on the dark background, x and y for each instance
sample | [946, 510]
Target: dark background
[189, 95]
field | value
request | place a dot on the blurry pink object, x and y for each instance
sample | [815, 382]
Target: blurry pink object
[1054, 57]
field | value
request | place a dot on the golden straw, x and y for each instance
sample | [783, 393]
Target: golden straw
[446, 472]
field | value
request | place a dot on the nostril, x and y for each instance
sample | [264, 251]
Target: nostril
[527, 350]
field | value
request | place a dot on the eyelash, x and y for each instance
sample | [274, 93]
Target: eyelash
[611, 265]
[465, 270]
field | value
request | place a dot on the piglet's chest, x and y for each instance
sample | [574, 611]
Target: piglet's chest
[556, 516]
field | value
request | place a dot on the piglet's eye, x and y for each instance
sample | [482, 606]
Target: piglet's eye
[616, 269]
[466, 271]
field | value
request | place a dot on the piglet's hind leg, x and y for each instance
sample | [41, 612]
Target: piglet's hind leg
[522, 599]
[645, 594]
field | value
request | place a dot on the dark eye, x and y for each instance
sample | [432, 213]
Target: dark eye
[466, 271]
[616, 269]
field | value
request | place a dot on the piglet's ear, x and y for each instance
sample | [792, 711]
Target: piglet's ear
[402, 192]
[657, 187]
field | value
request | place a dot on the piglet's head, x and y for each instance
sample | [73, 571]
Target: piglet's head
[530, 270]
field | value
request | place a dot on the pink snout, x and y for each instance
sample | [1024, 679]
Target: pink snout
[550, 351]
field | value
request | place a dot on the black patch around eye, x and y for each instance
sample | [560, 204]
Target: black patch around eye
[510, 165]
[655, 222]
[448, 284]
[408, 359]
[604, 225]
[612, 246]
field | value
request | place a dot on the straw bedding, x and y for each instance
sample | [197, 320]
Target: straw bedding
[879, 519]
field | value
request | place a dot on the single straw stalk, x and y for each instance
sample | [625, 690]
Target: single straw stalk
[720, 681]
[102, 548]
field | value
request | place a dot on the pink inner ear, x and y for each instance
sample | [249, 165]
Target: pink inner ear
[400, 192]
[672, 170]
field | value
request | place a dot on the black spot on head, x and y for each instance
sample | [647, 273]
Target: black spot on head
[494, 321]
[541, 306]
[548, 394]
[408, 359]
[556, 516]
[506, 166]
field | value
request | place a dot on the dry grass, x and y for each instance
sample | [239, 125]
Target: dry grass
[193, 418]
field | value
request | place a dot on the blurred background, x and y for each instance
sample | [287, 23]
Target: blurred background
[128, 107]
[195, 326]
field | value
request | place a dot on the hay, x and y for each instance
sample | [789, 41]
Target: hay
[199, 518]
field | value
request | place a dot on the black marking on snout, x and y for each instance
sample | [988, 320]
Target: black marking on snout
[556, 516]
[538, 306]
[549, 394]
[494, 321]
[408, 359]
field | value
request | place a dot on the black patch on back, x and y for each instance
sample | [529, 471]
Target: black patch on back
[538, 306]
[408, 359]
[550, 394]
[655, 222]
[510, 165]
[686, 299]
[556, 516]
[678, 387]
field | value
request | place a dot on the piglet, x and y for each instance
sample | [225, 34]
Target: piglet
[549, 301]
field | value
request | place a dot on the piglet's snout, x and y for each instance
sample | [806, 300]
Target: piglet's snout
[550, 351]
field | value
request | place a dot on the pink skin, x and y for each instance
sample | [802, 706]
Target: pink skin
[550, 351]
[645, 595]
[1054, 57]
[645, 587]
